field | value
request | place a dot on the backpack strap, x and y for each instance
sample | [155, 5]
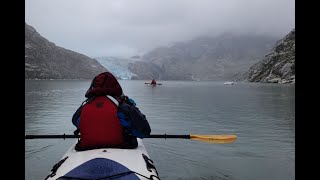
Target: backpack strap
[114, 100]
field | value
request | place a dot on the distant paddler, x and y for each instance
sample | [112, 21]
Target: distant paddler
[153, 82]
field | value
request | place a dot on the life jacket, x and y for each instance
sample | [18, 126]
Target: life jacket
[99, 124]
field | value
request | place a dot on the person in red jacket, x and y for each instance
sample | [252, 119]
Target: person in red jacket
[153, 82]
[96, 119]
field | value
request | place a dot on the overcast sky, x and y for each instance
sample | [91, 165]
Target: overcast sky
[125, 28]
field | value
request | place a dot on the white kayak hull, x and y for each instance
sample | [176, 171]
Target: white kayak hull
[117, 161]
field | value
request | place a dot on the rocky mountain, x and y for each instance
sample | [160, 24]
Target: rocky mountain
[203, 58]
[278, 66]
[45, 60]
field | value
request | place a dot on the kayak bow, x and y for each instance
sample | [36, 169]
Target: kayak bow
[105, 163]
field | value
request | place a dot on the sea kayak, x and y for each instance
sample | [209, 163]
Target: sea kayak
[153, 84]
[105, 163]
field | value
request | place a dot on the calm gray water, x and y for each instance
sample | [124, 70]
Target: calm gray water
[261, 115]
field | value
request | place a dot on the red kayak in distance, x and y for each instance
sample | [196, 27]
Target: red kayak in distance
[153, 84]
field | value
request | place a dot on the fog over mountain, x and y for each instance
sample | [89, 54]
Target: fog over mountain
[204, 58]
[124, 28]
[175, 40]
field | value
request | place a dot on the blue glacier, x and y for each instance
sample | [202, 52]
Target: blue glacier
[117, 66]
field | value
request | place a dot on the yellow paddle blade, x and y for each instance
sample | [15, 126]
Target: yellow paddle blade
[220, 139]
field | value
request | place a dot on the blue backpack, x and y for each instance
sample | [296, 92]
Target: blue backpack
[132, 120]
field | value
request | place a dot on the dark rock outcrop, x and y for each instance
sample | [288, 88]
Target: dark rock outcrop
[278, 66]
[45, 60]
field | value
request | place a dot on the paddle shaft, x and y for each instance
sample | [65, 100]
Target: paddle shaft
[66, 136]
[168, 136]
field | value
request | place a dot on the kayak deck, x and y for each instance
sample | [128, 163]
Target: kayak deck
[105, 163]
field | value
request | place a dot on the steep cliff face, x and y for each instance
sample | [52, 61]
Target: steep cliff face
[278, 66]
[145, 70]
[204, 58]
[45, 60]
